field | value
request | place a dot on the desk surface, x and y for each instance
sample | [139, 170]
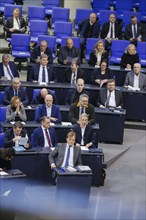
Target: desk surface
[65, 172]
[14, 173]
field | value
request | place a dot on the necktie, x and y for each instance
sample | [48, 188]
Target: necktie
[107, 100]
[18, 22]
[82, 110]
[111, 31]
[67, 157]
[8, 71]
[48, 138]
[135, 34]
[15, 92]
[43, 75]
[74, 79]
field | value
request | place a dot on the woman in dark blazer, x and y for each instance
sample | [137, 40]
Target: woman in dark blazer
[98, 54]
[101, 75]
[130, 57]
[85, 135]
[15, 111]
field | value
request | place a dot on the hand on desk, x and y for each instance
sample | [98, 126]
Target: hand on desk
[53, 119]
[88, 145]
[102, 106]
[53, 165]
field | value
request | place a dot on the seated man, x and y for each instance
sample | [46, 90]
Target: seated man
[15, 24]
[135, 79]
[39, 99]
[8, 68]
[69, 53]
[39, 50]
[110, 97]
[66, 154]
[74, 94]
[45, 135]
[41, 72]
[85, 135]
[15, 90]
[73, 73]
[50, 110]
[13, 135]
[81, 107]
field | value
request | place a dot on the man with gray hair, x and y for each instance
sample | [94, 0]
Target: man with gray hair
[15, 90]
[81, 107]
[8, 68]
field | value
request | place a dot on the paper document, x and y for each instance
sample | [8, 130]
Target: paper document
[23, 141]
[3, 173]
[71, 169]
[84, 148]
[19, 148]
[66, 123]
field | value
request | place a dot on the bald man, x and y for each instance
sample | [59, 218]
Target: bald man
[49, 109]
[39, 99]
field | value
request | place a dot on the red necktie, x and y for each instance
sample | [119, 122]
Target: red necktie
[48, 138]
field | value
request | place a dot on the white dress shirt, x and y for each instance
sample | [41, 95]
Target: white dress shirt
[6, 74]
[82, 133]
[136, 81]
[71, 157]
[73, 77]
[48, 109]
[40, 74]
[16, 23]
[112, 101]
[109, 32]
[133, 30]
[45, 138]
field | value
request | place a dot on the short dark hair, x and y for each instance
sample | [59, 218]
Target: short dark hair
[7, 152]
[18, 124]
[110, 81]
[133, 16]
[44, 118]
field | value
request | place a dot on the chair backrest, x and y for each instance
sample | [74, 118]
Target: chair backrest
[90, 45]
[141, 50]
[36, 13]
[60, 14]
[127, 18]
[51, 40]
[1, 139]
[124, 5]
[38, 27]
[81, 14]
[5, 2]
[36, 114]
[51, 3]
[104, 16]
[118, 47]
[3, 113]
[76, 41]
[1, 97]
[35, 92]
[142, 6]
[20, 42]
[8, 12]
[98, 5]
[62, 29]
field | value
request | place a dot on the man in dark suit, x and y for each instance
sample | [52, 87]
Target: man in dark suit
[111, 30]
[41, 72]
[8, 68]
[13, 135]
[50, 110]
[39, 50]
[39, 99]
[135, 31]
[135, 80]
[69, 53]
[88, 28]
[110, 97]
[66, 154]
[45, 135]
[73, 73]
[85, 135]
[15, 24]
[74, 94]
[15, 90]
[81, 107]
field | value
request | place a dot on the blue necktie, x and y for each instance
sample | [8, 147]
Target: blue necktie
[67, 157]
[43, 75]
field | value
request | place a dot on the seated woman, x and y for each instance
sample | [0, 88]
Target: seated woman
[15, 111]
[129, 57]
[85, 135]
[101, 75]
[98, 54]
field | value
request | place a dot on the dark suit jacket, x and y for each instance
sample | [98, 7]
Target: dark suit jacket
[12, 67]
[74, 113]
[64, 52]
[37, 53]
[105, 30]
[103, 97]
[54, 113]
[140, 31]
[9, 135]
[129, 59]
[57, 155]
[34, 74]
[93, 57]
[68, 74]
[71, 96]
[83, 26]
[89, 135]
[38, 137]
[9, 25]
[9, 93]
[130, 80]
[97, 75]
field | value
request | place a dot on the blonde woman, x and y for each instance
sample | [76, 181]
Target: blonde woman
[98, 54]
[129, 57]
[15, 111]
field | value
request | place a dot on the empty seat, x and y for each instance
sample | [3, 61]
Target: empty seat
[1, 97]
[36, 13]
[3, 3]
[62, 29]
[123, 6]
[142, 9]
[60, 14]
[98, 5]
[81, 14]
[1, 139]
[3, 113]
[49, 5]
[37, 28]
[141, 50]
